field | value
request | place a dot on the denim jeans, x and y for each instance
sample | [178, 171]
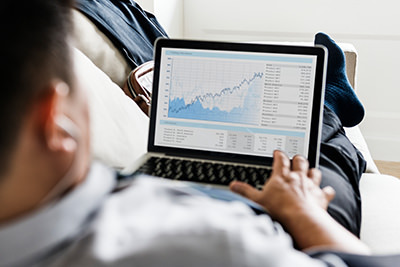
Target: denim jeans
[132, 30]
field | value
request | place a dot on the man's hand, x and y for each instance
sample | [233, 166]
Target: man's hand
[289, 188]
[292, 196]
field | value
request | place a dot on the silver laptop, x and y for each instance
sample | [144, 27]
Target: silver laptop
[219, 110]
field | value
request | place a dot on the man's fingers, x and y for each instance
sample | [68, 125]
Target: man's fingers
[281, 164]
[299, 163]
[329, 193]
[315, 175]
[245, 190]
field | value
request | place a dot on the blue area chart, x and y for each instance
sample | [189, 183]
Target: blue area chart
[237, 103]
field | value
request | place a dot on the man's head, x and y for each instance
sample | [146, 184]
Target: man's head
[43, 112]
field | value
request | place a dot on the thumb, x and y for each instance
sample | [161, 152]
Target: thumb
[245, 190]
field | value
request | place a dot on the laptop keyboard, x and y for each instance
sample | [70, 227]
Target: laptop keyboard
[204, 172]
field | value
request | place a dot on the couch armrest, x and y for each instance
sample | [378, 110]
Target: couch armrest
[351, 62]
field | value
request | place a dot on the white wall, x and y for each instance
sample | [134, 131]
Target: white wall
[147, 5]
[168, 12]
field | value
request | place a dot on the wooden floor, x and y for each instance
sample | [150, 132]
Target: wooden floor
[389, 167]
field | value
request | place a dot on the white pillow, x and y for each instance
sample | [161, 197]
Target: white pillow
[119, 129]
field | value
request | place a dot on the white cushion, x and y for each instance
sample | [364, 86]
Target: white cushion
[119, 129]
[381, 213]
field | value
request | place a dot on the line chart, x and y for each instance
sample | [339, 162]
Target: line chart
[216, 91]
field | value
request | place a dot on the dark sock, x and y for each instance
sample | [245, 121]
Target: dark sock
[339, 95]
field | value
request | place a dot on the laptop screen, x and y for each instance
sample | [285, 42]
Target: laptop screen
[236, 102]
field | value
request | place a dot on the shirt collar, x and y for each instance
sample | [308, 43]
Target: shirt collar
[31, 236]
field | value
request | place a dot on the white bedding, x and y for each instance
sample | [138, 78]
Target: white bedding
[119, 129]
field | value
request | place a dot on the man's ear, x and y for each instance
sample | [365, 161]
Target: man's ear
[51, 111]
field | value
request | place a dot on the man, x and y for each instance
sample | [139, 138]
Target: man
[58, 209]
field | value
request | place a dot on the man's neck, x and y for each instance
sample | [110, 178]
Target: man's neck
[23, 189]
[18, 198]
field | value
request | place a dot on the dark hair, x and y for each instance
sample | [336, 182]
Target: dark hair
[34, 49]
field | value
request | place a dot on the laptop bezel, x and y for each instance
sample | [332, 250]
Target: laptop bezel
[318, 96]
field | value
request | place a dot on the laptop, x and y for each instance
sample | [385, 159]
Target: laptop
[220, 109]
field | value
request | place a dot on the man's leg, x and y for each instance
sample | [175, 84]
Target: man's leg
[341, 163]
